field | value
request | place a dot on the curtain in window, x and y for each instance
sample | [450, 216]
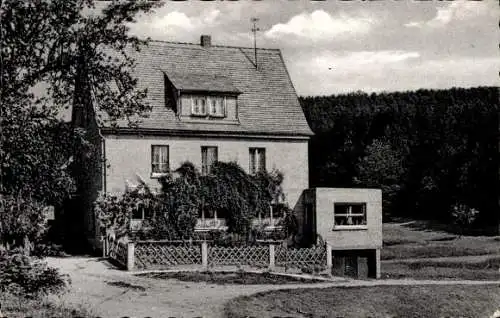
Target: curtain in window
[208, 157]
[257, 160]
[262, 159]
[252, 160]
[159, 160]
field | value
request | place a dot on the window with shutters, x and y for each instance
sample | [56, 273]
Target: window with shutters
[257, 160]
[159, 160]
[209, 155]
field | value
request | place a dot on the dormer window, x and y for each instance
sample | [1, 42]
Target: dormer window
[217, 106]
[211, 106]
[198, 107]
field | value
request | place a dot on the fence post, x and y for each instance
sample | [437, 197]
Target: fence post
[130, 256]
[204, 254]
[377, 263]
[329, 259]
[271, 256]
[103, 241]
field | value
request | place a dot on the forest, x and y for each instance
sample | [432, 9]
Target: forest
[432, 152]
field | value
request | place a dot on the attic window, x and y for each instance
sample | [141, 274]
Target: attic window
[212, 106]
[198, 106]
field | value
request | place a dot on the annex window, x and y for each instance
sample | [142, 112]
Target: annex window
[208, 157]
[349, 215]
[159, 160]
[257, 160]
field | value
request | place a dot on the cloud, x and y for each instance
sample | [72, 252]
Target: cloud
[375, 71]
[462, 10]
[320, 25]
[360, 61]
[173, 23]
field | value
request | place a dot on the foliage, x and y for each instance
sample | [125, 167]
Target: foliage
[228, 188]
[463, 216]
[48, 249]
[54, 55]
[173, 212]
[382, 167]
[115, 211]
[21, 219]
[427, 148]
[21, 274]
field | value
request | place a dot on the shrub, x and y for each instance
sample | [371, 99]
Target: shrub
[21, 274]
[172, 214]
[21, 219]
[48, 249]
[463, 216]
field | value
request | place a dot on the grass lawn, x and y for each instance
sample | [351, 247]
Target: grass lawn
[235, 278]
[417, 252]
[402, 241]
[374, 302]
[20, 307]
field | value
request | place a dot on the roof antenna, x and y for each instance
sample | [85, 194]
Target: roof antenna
[254, 30]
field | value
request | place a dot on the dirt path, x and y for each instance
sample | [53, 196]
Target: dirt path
[145, 297]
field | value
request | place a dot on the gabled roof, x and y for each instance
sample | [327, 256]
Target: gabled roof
[267, 103]
[199, 82]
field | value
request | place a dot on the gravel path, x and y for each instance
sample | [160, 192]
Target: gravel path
[146, 297]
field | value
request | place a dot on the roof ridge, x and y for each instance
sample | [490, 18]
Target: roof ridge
[214, 45]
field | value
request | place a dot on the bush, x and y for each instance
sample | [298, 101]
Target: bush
[48, 249]
[21, 219]
[21, 274]
[463, 216]
[172, 214]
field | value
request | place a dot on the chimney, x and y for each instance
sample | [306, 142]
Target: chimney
[205, 41]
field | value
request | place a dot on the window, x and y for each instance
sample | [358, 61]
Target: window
[208, 157]
[257, 160]
[349, 215]
[213, 106]
[139, 213]
[159, 160]
[198, 107]
[216, 106]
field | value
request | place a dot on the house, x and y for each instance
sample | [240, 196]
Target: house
[210, 103]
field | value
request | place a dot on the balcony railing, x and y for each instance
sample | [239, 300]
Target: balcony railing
[210, 224]
[205, 224]
[267, 223]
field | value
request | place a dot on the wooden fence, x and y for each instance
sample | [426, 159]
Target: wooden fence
[145, 255]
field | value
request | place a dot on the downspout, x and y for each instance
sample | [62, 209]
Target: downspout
[103, 157]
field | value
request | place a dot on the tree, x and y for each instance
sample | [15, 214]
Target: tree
[382, 168]
[55, 48]
[57, 54]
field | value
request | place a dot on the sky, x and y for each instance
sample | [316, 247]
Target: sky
[334, 46]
